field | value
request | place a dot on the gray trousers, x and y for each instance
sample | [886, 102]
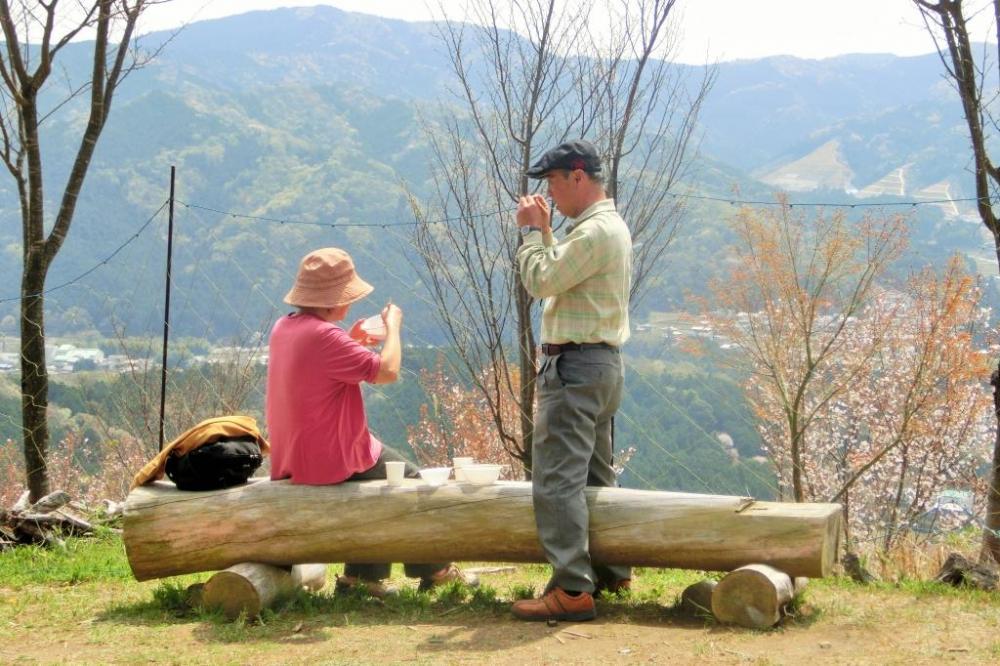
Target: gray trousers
[578, 395]
[378, 571]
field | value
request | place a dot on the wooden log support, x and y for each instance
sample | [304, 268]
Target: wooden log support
[169, 532]
[250, 587]
[696, 599]
[753, 596]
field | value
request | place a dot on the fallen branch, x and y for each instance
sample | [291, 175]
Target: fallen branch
[42, 523]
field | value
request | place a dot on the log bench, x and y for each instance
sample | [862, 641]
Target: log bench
[168, 532]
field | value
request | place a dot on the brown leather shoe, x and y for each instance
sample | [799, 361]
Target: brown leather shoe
[614, 588]
[450, 574]
[556, 605]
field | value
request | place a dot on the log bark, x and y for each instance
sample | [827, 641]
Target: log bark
[752, 596]
[250, 587]
[169, 532]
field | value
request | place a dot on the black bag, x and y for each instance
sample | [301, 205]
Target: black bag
[228, 462]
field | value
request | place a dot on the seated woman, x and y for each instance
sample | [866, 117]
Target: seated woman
[315, 413]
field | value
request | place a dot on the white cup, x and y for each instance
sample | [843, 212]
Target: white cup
[374, 327]
[458, 462]
[394, 471]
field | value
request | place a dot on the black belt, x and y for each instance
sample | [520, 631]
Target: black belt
[555, 350]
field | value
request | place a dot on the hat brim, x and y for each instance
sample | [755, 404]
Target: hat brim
[305, 297]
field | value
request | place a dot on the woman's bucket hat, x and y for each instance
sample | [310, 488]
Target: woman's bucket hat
[327, 279]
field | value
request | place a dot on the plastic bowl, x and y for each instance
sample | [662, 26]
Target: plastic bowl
[482, 474]
[435, 476]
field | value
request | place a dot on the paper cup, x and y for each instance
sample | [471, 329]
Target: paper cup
[394, 472]
[374, 327]
[458, 462]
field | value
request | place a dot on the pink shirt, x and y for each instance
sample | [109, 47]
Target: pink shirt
[315, 414]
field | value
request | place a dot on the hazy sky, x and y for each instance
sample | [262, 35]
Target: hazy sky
[722, 29]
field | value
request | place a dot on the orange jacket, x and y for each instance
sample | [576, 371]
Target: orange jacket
[206, 432]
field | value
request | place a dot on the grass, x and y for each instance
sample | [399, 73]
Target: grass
[82, 593]
[73, 560]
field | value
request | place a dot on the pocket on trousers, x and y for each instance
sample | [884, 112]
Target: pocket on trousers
[547, 377]
[583, 371]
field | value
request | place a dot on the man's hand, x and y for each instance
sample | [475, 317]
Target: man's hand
[534, 211]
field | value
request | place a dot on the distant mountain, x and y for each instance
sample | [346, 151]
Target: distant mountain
[311, 116]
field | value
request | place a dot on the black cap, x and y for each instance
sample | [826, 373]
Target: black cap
[575, 154]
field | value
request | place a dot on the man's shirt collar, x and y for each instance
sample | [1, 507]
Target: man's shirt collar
[601, 206]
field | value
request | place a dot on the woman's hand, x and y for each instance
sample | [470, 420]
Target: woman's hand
[393, 317]
[359, 335]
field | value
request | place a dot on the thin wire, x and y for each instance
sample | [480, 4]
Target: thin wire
[676, 460]
[335, 225]
[701, 197]
[828, 204]
[95, 266]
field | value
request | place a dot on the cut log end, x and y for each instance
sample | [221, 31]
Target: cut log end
[752, 596]
[234, 594]
[248, 588]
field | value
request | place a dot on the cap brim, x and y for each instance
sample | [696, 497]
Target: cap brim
[536, 172]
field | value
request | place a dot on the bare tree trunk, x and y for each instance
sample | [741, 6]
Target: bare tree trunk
[34, 33]
[528, 357]
[34, 385]
[795, 451]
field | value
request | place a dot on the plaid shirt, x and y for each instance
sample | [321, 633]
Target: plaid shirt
[584, 278]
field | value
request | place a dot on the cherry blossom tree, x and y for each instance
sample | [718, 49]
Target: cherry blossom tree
[873, 397]
[458, 422]
[915, 421]
[795, 286]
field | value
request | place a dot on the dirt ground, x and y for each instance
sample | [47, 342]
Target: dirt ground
[94, 623]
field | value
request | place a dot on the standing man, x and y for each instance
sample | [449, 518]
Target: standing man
[585, 280]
